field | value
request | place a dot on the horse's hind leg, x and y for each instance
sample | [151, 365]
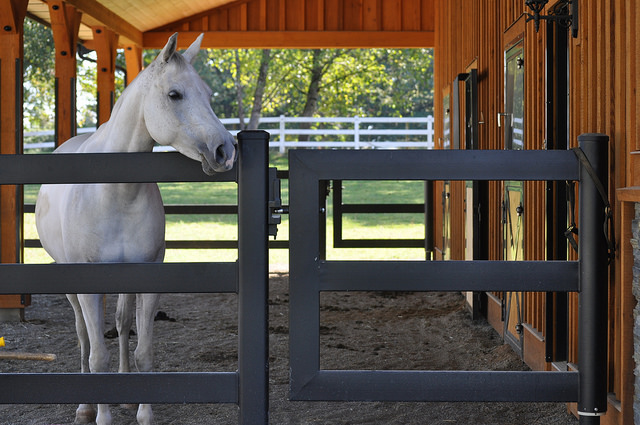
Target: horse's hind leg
[146, 307]
[86, 413]
[93, 313]
[124, 319]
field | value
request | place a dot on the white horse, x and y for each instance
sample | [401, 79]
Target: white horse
[167, 103]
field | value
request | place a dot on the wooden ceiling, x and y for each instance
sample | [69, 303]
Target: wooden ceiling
[258, 23]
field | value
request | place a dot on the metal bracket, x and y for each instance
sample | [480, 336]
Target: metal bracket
[565, 13]
[275, 203]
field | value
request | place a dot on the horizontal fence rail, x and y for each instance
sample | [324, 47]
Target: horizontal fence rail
[442, 386]
[324, 132]
[120, 388]
[436, 165]
[447, 276]
[118, 278]
[105, 168]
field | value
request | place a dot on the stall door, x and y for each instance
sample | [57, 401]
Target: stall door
[513, 194]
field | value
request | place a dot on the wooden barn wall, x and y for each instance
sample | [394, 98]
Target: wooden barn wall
[380, 22]
[315, 15]
[604, 62]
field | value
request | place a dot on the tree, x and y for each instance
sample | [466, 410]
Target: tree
[39, 81]
[258, 96]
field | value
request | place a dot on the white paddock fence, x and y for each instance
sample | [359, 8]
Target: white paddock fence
[331, 132]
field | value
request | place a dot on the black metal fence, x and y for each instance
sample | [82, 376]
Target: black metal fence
[247, 386]
[311, 274]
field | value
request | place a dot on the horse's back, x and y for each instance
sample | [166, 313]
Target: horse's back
[72, 145]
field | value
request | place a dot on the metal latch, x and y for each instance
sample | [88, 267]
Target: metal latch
[275, 203]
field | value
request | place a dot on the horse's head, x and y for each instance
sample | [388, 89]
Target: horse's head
[177, 110]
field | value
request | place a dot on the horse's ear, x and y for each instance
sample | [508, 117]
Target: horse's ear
[192, 51]
[169, 49]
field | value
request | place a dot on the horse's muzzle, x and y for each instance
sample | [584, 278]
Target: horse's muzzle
[221, 159]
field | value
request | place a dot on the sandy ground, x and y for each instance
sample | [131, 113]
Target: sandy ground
[427, 331]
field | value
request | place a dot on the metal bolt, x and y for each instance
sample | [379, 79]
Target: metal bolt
[8, 28]
[103, 69]
[63, 53]
[55, 7]
[98, 31]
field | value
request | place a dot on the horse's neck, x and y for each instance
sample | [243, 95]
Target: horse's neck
[126, 130]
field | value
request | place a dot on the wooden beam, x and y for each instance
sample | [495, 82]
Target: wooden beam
[95, 14]
[295, 39]
[12, 13]
[133, 59]
[105, 44]
[65, 22]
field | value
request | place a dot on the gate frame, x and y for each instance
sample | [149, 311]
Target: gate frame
[310, 274]
[248, 277]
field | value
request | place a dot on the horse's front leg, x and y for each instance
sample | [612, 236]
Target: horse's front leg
[93, 313]
[147, 305]
[86, 413]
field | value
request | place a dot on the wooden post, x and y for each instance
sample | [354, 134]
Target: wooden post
[133, 58]
[12, 13]
[65, 22]
[105, 44]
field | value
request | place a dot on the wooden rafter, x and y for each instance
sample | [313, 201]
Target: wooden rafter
[95, 14]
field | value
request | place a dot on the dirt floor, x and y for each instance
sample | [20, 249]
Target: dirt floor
[428, 331]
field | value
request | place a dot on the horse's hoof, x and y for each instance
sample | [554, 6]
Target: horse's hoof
[85, 414]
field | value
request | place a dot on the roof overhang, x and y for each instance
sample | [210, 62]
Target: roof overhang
[256, 23]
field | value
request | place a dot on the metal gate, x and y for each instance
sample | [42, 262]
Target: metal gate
[248, 386]
[311, 274]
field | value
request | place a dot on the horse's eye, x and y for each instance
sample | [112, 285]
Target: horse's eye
[175, 95]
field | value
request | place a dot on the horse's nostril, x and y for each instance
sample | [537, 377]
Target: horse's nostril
[221, 155]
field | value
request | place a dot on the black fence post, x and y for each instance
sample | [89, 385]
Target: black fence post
[593, 297]
[253, 280]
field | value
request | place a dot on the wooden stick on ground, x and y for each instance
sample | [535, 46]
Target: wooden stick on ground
[27, 356]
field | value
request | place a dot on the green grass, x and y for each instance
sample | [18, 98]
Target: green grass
[224, 227]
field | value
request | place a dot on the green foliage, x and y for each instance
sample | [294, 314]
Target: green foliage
[365, 82]
[39, 79]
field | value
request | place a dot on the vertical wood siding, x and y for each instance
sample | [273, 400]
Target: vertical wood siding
[604, 64]
[314, 15]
